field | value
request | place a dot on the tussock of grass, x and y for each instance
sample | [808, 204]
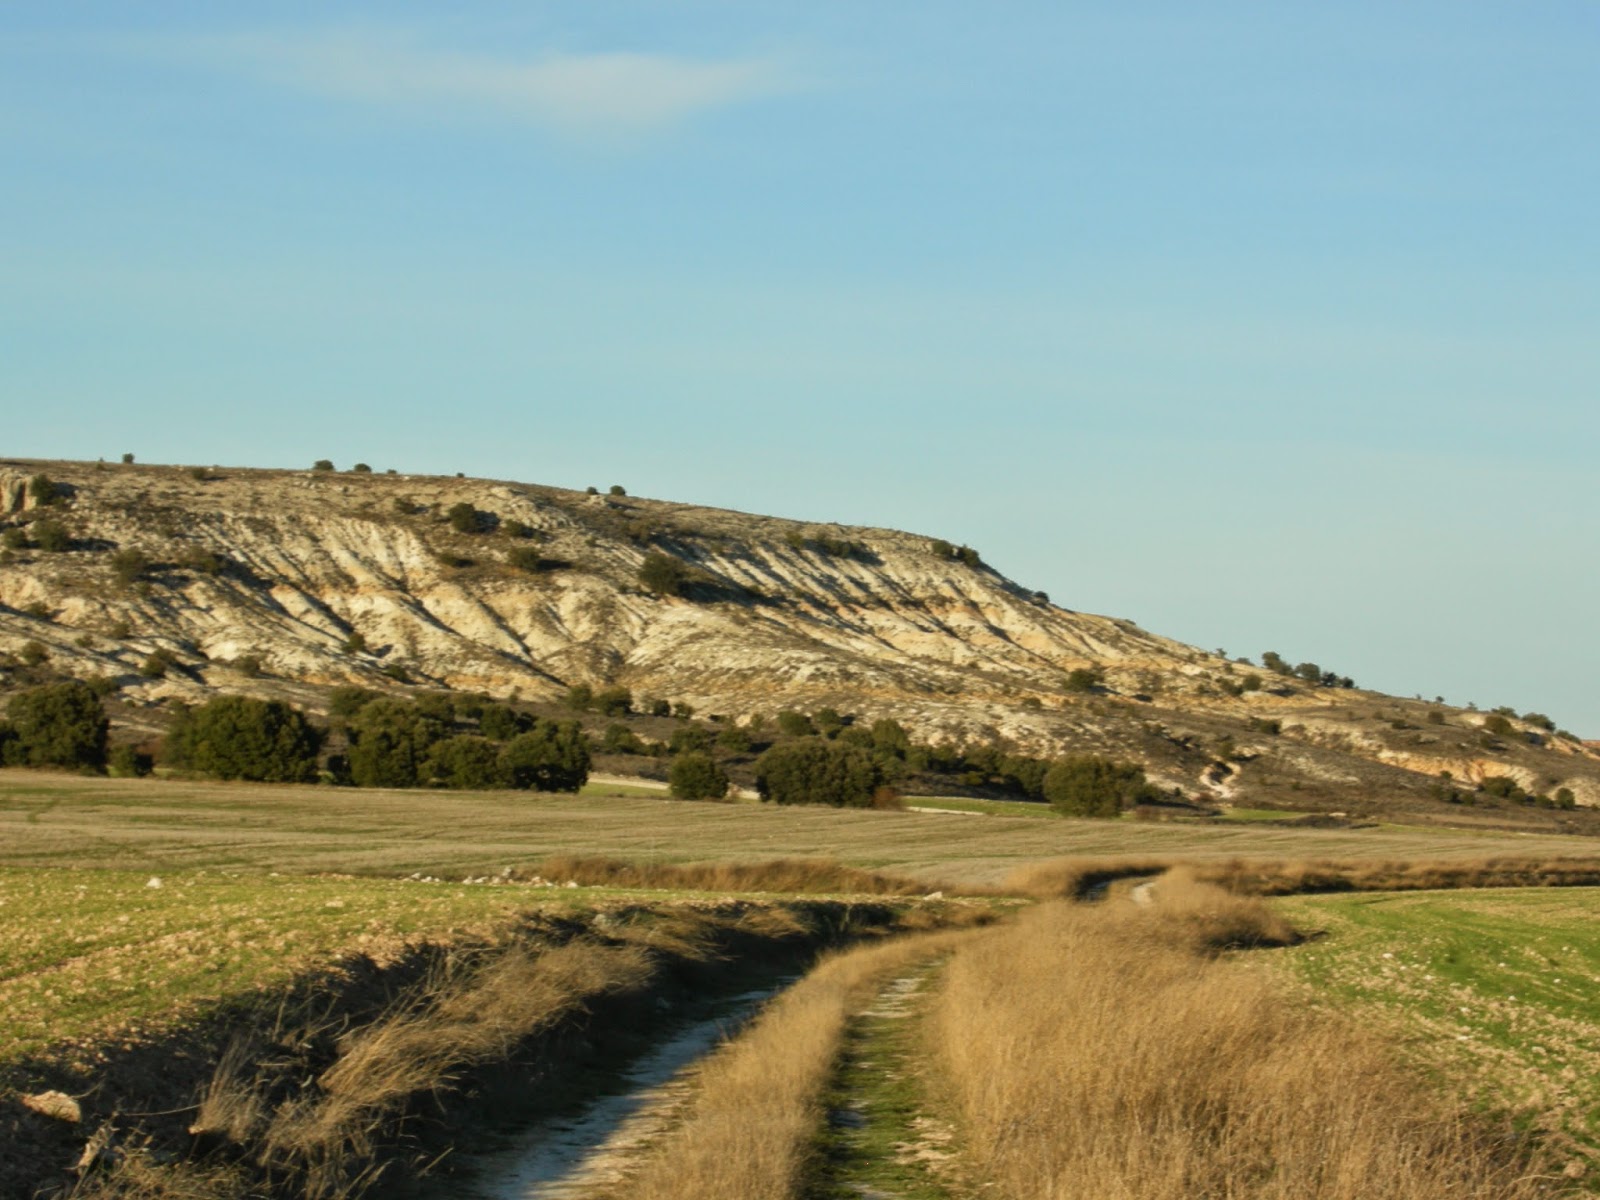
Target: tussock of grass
[751, 1132]
[1214, 918]
[1106, 1051]
[1074, 877]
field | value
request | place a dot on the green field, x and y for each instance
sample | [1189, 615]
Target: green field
[1497, 991]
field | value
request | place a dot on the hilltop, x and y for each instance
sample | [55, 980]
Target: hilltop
[289, 583]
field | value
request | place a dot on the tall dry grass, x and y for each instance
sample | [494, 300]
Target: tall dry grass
[1106, 1051]
[480, 1018]
[798, 875]
[752, 1128]
[1074, 877]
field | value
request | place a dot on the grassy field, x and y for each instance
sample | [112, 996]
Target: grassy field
[83, 953]
[1496, 991]
[160, 826]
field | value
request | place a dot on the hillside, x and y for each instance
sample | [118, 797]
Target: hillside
[289, 582]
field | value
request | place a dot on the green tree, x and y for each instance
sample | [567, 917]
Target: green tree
[813, 771]
[59, 725]
[500, 722]
[553, 756]
[467, 761]
[322, 464]
[618, 490]
[1087, 785]
[240, 737]
[390, 744]
[696, 776]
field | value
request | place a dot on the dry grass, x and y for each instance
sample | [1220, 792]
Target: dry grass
[789, 875]
[464, 1019]
[1073, 877]
[161, 826]
[753, 1126]
[1215, 918]
[1107, 1051]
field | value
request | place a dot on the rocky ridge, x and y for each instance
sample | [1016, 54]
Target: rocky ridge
[289, 582]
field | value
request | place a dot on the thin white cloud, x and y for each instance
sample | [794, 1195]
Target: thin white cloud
[605, 93]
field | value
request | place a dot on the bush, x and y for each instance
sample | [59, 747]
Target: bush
[127, 459]
[735, 739]
[579, 697]
[33, 653]
[619, 739]
[1084, 679]
[44, 490]
[239, 737]
[689, 738]
[362, 469]
[396, 671]
[154, 666]
[663, 575]
[51, 536]
[1497, 724]
[526, 558]
[613, 702]
[356, 643]
[696, 776]
[795, 724]
[248, 665]
[322, 464]
[125, 762]
[660, 708]
[15, 538]
[59, 725]
[129, 564]
[618, 490]
[1090, 786]
[464, 518]
[516, 529]
[553, 756]
[812, 771]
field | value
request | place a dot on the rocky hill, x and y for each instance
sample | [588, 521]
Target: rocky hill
[290, 582]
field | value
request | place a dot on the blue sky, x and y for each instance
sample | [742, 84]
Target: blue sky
[1269, 325]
